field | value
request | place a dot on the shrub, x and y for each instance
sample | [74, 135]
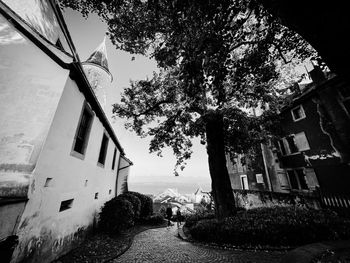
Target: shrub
[135, 201]
[286, 226]
[155, 219]
[146, 204]
[191, 220]
[116, 215]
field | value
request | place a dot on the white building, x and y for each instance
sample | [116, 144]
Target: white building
[60, 159]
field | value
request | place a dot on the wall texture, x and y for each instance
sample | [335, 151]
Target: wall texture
[249, 199]
[44, 232]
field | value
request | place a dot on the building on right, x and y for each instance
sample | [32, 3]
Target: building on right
[312, 154]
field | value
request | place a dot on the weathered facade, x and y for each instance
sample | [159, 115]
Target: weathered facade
[246, 173]
[312, 153]
[60, 159]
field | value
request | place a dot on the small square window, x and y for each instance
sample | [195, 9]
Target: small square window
[259, 178]
[96, 195]
[48, 182]
[67, 204]
[298, 113]
[110, 191]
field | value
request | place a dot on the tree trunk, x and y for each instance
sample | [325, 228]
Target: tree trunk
[220, 180]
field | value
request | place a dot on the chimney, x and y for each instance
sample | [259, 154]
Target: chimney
[317, 75]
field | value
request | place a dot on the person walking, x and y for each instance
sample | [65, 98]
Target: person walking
[178, 217]
[169, 214]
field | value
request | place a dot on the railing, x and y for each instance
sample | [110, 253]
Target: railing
[332, 200]
[337, 202]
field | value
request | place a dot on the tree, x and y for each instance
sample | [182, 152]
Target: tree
[322, 24]
[216, 60]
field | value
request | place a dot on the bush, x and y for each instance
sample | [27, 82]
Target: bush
[191, 220]
[116, 215]
[155, 219]
[135, 201]
[146, 204]
[286, 226]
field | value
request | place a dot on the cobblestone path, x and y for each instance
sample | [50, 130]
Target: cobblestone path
[163, 245]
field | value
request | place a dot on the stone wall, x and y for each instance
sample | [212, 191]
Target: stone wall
[249, 199]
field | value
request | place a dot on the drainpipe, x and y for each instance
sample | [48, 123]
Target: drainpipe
[266, 170]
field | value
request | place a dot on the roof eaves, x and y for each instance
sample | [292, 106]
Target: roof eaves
[77, 73]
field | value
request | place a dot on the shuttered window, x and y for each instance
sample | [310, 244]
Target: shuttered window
[103, 150]
[83, 131]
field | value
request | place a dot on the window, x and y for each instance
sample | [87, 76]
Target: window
[281, 145]
[67, 204]
[297, 179]
[282, 178]
[114, 155]
[293, 180]
[298, 113]
[103, 150]
[259, 178]
[301, 141]
[294, 143]
[83, 131]
[96, 195]
[110, 191]
[301, 179]
[48, 182]
[345, 97]
[244, 182]
[292, 147]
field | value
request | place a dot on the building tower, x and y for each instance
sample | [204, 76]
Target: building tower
[97, 72]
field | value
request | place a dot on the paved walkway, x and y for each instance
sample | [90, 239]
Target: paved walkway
[163, 245]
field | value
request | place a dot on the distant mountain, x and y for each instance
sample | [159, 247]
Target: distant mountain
[156, 184]
[172, 195]
[166, 195]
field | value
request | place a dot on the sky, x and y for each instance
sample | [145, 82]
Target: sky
[150, 174]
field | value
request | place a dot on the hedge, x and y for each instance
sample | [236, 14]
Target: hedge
[283, 226]
[135, 201]
[116, 215]
[146, 204]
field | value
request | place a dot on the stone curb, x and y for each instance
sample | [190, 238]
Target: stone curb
[306, 254]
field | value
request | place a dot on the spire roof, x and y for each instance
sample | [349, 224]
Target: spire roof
[99, 57]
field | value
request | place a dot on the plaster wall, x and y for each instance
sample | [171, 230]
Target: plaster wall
[39, 14]
[30, 87]
[249, 199]
[44, 232]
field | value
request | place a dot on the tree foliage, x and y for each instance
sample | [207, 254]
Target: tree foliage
[217, 60]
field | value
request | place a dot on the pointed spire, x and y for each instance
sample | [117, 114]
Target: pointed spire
[99, 57]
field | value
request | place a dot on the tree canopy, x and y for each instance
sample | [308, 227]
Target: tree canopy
[217, 62]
